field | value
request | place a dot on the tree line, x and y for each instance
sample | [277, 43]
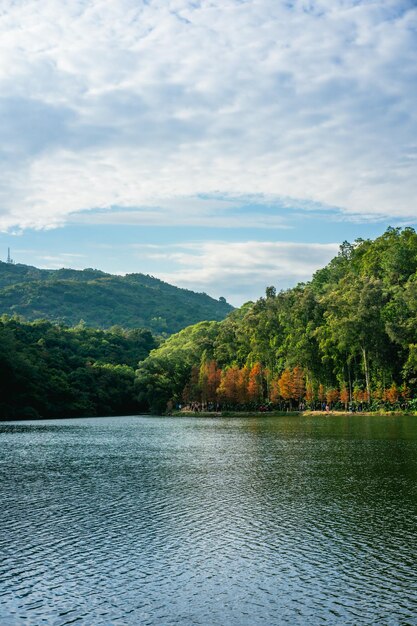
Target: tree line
[256, 387]
[49, 370]
[349, 336]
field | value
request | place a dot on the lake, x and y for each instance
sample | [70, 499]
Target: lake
[228, 522]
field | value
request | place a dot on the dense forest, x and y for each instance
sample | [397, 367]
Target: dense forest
[54, 371]
[103, 300]
[347, 338]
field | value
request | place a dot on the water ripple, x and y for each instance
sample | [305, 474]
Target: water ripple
[128, 521]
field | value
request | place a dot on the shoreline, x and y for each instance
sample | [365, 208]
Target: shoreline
[310, 414]
[223, 414]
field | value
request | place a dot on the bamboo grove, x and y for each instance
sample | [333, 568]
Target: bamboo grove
[349, 336]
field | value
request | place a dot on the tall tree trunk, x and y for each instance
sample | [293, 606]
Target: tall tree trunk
[366, 369]
[350, 381]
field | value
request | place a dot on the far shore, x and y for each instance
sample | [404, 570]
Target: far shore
[184, 413]
[224, 414]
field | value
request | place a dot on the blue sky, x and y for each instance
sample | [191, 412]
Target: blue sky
[220, 145]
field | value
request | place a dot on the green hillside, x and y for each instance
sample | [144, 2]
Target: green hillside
[103, 300]
[54, 371]
[347, 338]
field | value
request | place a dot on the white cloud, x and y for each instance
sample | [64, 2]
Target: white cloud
[192, 211]
[148, 104]
[240, 270]
[54, 261]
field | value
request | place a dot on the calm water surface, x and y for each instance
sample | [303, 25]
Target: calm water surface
[139, 520]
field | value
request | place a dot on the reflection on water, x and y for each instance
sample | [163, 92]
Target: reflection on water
[162, 521]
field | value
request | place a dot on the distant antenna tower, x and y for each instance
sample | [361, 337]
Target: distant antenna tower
[9, 258]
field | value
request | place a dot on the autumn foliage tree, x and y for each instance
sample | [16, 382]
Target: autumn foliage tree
[230, 388]
[274, 390]
[332, 396]
[244, 376]
[298, 384]
[285, 385]
[256, 383]
[344, 396]
[360, 395]
[392, 394]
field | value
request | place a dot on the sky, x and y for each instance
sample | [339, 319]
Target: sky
[221, 145]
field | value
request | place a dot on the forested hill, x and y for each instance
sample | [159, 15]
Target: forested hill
[54, 371]
[103, 300]
[348, 336]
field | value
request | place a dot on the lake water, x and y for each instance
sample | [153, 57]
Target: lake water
[232, 522]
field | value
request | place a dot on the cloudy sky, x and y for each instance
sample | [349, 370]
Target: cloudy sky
[222, 145]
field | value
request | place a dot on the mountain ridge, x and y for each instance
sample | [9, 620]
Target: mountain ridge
[103, 300]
